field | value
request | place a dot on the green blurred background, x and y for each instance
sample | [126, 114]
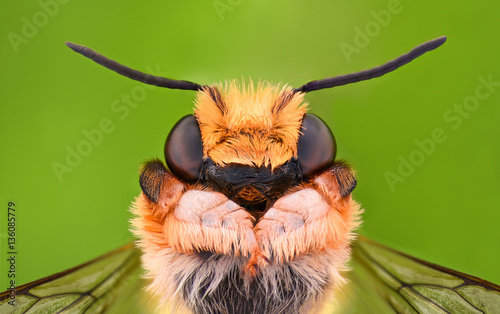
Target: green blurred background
[446, 210]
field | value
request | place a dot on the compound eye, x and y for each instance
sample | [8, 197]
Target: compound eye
[184, 149]
[316, 148]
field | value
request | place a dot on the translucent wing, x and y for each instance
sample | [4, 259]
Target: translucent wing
[92, 287]
[384, 280]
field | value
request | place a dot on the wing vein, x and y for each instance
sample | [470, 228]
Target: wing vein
[403, 284]
[89, 292]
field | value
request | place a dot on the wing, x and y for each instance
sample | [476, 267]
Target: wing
[92, 287]
[384, 280]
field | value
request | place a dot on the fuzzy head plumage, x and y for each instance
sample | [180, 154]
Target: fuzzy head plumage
[243, 125]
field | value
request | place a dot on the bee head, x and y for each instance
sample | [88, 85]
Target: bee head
[250, 143]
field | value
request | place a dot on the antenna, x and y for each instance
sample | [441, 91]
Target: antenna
[373, 72]
[131, 73]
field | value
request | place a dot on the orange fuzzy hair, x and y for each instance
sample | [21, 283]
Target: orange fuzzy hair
[255, 127]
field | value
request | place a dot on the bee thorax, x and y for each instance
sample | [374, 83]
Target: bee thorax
[214, 283]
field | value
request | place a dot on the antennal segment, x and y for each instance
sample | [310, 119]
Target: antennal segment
[374, 72]
[131, 73]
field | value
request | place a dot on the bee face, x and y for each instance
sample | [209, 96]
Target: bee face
[254, 214]
[246, 143]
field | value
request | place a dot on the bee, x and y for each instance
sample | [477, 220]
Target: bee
[253, 213]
